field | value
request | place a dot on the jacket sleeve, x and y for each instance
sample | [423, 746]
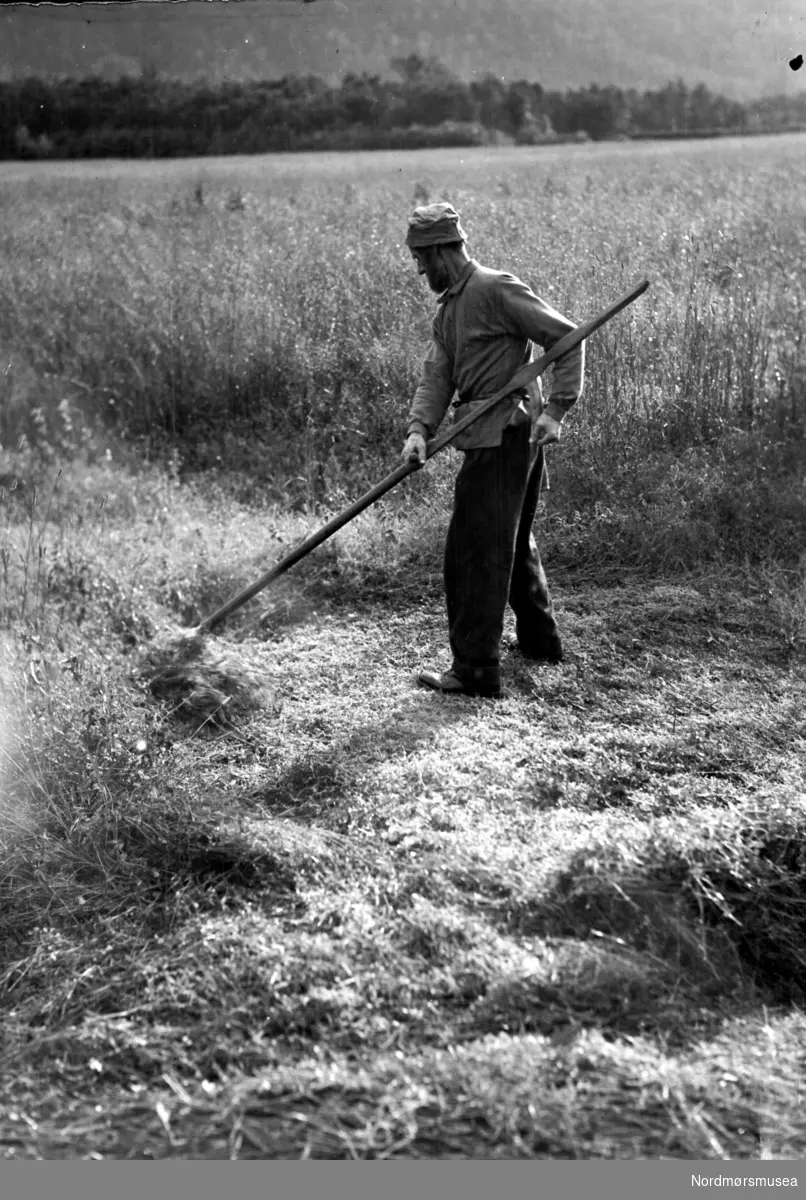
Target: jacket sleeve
[526, 314]
[434, 391]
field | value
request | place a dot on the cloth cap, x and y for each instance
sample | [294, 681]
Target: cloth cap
[434, 225]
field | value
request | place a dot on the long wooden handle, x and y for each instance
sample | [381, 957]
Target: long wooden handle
[523, 376]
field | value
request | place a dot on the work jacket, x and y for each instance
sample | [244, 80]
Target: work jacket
[486, 327]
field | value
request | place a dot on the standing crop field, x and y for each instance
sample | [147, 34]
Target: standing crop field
[263, 316]
[356, 919]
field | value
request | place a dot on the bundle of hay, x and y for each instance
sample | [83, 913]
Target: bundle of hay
[201, 685]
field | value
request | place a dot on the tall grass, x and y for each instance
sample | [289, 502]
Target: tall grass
[266, 318]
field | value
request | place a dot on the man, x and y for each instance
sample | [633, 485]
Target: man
[484, 328]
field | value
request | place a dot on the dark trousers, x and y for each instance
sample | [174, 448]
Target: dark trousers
[491, 558]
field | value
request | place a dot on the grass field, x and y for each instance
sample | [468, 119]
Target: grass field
[350, 918]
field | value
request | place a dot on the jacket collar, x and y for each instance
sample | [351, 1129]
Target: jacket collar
[456, 288]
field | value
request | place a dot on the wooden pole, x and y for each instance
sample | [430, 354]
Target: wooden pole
[525, 375]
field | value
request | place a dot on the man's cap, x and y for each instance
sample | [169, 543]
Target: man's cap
[434, 225]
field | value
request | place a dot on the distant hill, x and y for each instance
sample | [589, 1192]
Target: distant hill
[736, 47]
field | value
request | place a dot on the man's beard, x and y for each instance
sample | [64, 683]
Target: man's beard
[438, 279]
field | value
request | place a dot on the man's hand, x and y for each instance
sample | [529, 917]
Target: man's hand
[414, 449]
[546, 430]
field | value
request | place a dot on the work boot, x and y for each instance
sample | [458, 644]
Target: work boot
[548, 649]
[452, 685]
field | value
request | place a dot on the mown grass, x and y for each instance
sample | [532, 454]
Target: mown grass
[375, 923]
[350, 918]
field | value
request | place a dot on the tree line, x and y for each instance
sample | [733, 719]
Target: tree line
[424, 104]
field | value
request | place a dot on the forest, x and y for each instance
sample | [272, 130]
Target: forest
[423, 104]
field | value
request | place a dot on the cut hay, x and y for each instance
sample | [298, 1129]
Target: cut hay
[207, 687]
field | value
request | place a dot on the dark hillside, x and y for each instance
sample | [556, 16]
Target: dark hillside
[737, 47]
